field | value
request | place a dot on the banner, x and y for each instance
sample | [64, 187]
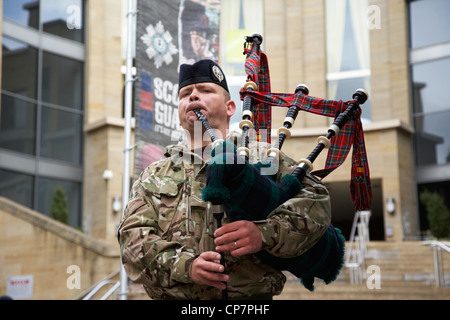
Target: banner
[168, 34]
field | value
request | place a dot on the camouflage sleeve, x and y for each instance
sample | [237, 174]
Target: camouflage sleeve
[146, 257]
[298, 224]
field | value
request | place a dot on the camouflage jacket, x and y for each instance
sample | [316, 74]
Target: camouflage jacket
[166, 226]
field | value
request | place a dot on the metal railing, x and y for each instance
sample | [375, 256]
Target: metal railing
[100, 286]
[111, 279]
[438, 246]
[357, 248]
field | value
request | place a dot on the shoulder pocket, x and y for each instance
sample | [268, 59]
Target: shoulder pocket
[163, 186]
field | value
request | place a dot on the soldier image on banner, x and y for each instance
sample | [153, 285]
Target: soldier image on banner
[169, 34]
[200, 33]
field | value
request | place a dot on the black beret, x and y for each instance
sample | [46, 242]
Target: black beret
[202, 71]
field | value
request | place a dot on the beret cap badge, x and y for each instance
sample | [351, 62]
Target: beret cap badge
[217, 73]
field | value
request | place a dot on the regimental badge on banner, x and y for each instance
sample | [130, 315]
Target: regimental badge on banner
[159, 44]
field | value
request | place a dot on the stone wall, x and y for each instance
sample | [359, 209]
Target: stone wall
[33, 244]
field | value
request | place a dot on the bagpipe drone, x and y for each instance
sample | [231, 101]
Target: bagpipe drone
[239, 189]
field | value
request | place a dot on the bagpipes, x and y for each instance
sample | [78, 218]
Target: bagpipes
[239, 189]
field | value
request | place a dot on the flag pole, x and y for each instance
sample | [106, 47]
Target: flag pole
[127, 135]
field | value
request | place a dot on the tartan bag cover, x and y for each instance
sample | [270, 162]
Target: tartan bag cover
[351, 135]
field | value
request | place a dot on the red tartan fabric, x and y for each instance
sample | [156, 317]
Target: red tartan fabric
[257, 70]
[351, 135]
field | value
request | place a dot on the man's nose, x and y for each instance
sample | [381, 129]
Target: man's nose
[194, 96]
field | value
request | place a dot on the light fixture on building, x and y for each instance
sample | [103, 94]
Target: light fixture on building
[107, 174]
[117, 204]
[390, 205]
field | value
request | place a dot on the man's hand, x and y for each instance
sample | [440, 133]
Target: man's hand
[240, 238]
[206, 269]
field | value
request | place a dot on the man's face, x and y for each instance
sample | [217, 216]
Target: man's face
[211, 100]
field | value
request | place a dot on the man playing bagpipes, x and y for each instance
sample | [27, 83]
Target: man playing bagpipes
[169, 237]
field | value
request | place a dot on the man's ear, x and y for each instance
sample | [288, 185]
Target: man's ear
[231, 108]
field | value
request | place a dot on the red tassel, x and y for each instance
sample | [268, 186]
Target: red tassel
[361, 196]
[360, 189]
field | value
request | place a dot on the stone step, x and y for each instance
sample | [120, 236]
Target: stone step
[338, 290]
[406, 272]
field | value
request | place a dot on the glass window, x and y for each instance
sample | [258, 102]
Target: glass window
[349, 55]
[63, 18]
[348, 50]
[24, 12]
[429, 22]
[432, 141]
[19, 68]
[62, 80]
[61, 135]
[42, 104]
[347, 35]
[46, 188]
[343, 89]
[432, 111]
[431, 86]
[17, 187]
[17, 125]
[238, 18]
